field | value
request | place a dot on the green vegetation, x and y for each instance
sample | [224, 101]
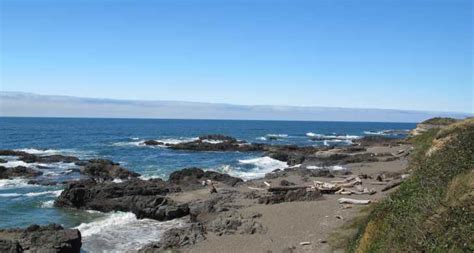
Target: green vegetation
[440, 121]
[433, 211]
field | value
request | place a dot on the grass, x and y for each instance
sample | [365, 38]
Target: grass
[439, 121]
[433, 211]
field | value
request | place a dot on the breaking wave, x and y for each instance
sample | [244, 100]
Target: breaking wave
[122, 232]
[253, 168]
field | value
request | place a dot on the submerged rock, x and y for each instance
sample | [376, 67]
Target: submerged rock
[19, 171]
[35, 238]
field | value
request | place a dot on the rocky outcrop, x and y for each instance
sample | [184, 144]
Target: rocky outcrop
[191, 178]
[146, 199]
[19, 171]
[35, 238]
[177, 238]
[102, 170]
[31, 158]
[153, 143]
[217, 143]
[235, 223]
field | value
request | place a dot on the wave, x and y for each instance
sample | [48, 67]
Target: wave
[35, 151]
[177, 140]
[389, 132]
[47, 204]
[31, 194]
[6, 184]
[12, 164]
[122, 232]
[253, 168]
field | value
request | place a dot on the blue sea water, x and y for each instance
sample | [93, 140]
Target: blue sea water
[120, 140]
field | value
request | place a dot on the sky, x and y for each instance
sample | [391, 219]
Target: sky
[388, 54]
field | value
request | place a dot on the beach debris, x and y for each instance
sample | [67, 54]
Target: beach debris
[339, 217]
[353, 201]
[266, 183]
[305, 243]
[392, 184]
[256, 188]
[210, 186]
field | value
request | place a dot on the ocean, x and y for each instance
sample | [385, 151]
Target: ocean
[121, 140]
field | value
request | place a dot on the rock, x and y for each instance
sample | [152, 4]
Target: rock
[31, 158]
[289, 196]
[3, 161]
[35, 238]
[19, 171]
[177, 238]
[191, 178]
[153, 143]
[217, 143]
[146, 199]
[286, 183]
[101, 170]
[8, 246]
[235, 223]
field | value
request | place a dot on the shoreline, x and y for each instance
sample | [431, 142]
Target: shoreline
[303, 165]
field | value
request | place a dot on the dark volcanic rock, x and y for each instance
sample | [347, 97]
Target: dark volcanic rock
[19, 171]
[144, 198]
[289, 196]
[30, 158]
[233, 222]
[191, 178]
[51, 238]
[177, 238]
[217, 143]
[3, 161]
[101, 170]
[153, 143]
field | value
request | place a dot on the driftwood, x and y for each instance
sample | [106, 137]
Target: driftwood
[353, 201]
[255, 188]
[392, 184]
[378, 183]
[286, 188]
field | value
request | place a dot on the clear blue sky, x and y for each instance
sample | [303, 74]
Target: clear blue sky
[413, 54]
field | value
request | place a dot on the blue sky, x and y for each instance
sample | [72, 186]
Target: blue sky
[409, 54]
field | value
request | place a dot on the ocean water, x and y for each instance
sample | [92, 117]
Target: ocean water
[121, 140]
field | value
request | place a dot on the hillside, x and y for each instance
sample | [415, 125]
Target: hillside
[433, 210]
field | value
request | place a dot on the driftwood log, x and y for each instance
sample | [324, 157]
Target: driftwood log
[353, 201]
[392, 184]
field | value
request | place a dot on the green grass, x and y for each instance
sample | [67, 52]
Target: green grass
[440, 121]
[433, 210]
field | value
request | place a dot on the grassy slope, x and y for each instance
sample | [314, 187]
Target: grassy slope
[433, 211]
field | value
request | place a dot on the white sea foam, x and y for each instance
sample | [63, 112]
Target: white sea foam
[128, 143]
[12, 164]
[122, 232]
[277, 135]
[14, 183]
[311, 134]
[177, 140]
[260, 166]
[32, 194]
[35, 151]
[47, 204]
[333, 136]
[261, 138]
[212, 141]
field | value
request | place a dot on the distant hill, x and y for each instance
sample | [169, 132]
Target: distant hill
[34, 105]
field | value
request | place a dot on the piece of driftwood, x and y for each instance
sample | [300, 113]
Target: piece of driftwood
[353, 201]
[266, 183]
[286, 188]
[255, 188]
[392, 184]
[378, 183]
